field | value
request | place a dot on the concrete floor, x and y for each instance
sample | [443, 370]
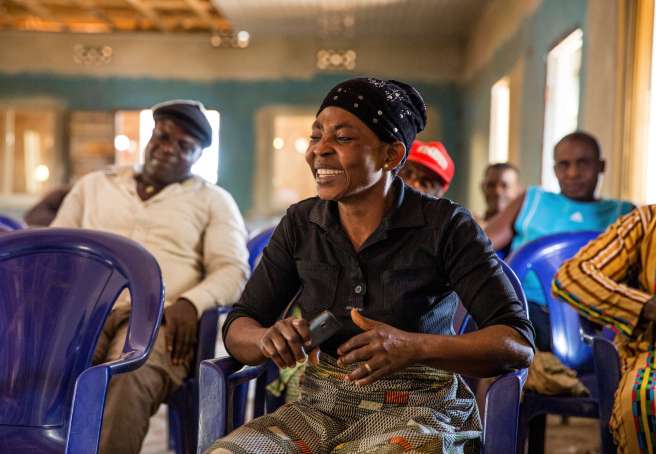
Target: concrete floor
[578, 436]
[156, 440]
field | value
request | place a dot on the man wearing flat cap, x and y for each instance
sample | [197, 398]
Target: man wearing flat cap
[196, 233]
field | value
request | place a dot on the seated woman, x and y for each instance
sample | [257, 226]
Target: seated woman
[612, 281]
[380, 256]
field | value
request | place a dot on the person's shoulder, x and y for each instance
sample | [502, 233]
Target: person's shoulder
[438, 211]
[211, 190]
[215, 199]
[648, 210]
[103, 176]
[647, 214]
[620, 206]
[625, 206]
[304, 207]
[644, 215]
[298, 215]
[536, 191]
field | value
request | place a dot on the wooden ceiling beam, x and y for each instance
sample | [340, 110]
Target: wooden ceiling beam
[90, 5]
[36, 7]
[95, 16]
[148, 12]
[168, 5]
[198, 8]
[34, 23]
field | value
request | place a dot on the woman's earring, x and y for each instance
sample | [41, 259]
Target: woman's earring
[386, 166]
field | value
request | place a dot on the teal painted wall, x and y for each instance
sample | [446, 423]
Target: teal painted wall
[552, 21]
[237, 101]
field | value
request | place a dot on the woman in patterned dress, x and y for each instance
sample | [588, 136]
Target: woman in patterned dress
[612, 281]
[385, 260]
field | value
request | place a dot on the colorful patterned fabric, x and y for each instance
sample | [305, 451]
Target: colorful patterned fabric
[545, 213]
[419, 410]
[609, 281]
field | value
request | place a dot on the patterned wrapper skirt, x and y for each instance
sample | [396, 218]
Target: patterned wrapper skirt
[633, 421]
[416, 410]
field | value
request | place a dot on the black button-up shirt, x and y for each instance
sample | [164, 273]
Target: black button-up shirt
[403, 275]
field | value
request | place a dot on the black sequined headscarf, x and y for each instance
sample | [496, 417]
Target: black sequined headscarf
[393, 110]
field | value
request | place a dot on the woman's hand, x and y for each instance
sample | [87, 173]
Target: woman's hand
[383, 348]
[284, 341]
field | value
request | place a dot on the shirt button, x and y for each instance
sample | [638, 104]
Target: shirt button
[359, 289]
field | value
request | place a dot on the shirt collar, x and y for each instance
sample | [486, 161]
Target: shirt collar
[125, 178]
[126, 175]
[406, 210]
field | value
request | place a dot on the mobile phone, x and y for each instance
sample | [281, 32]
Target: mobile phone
[322, 327]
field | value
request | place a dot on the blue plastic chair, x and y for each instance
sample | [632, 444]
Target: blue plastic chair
[502, 399]
[256, 244]
[575, 341]
[57, 287]
[183, 403]
[10, 223]
[224, 383]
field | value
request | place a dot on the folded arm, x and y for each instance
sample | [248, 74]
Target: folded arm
[225, 258]
[594, 281]
[500, 229]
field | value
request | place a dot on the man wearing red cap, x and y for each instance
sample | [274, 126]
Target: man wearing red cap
[429, 168]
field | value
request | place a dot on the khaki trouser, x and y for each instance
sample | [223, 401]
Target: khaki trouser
[133, 397]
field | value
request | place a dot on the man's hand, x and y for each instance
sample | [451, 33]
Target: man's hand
[383, 349]
[284, 341]
[181, 321]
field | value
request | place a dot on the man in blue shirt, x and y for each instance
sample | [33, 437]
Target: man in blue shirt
[536, 213]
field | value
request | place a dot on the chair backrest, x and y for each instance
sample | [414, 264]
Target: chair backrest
[502, 399]
[256, 244]
[543, 257]
[10, 223]
[57, 287]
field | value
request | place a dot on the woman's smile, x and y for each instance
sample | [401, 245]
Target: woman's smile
[327, 175]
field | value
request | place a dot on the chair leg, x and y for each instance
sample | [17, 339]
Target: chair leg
[522, 430]
[536, 436]
[183, 420]
[174, 429]
[607, 442]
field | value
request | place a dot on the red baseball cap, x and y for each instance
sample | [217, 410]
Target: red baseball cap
[434, 156]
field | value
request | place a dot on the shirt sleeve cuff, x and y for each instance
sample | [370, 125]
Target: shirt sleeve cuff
[634, 318]
[201, 299]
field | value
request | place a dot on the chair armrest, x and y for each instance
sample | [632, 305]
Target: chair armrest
[86, 417]
[89, 395]
[208, 327]
[502, 413]
[208, 331]
[224, 310]
[220, 379]
[607, 370]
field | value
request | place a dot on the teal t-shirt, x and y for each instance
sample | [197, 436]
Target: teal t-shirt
[545, 213]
